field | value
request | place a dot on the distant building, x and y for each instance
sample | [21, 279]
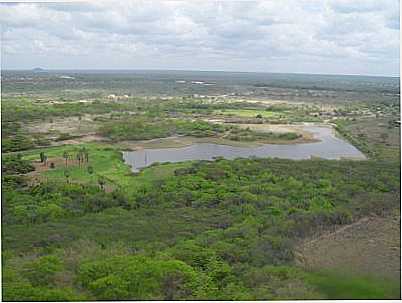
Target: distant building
[117, 97]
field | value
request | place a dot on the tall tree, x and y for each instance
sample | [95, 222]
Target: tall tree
[65, 156]
[79, 158]
[42, 157]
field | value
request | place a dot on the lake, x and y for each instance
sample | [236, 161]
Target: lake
[329, 147]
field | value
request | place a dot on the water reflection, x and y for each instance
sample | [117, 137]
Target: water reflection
[329, 147]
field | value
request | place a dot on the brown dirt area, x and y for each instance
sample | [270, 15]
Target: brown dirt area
[40, 167]
[35, 176]
[70, 125]
[82, 139]
[370, 246]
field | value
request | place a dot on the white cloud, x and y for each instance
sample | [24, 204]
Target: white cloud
[333, 36]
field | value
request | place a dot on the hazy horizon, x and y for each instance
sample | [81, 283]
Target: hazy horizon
[186, 70]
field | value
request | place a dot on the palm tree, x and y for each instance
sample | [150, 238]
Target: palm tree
[65, 156]
[82, 156]
[79, 158]
[42, 155]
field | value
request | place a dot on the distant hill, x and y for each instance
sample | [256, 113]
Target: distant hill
[38, 69]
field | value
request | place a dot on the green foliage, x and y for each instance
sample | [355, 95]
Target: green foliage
[53, 201]
[142, 128]
[16, 143]
[229, 222]
[280, 283]
[14, 164]
[340, 286]
[90, 170]
[368, 136]
[238, 134]
[41, 272]
[135, 277]
[16, 110]
[18, 288]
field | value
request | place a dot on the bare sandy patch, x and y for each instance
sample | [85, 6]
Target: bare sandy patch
[71, 125]
[57, 161]
[271, 102]
[82, 139]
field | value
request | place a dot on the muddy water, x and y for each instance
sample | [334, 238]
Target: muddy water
[329, 147]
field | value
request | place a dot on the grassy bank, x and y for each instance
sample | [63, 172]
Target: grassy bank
[105, 160]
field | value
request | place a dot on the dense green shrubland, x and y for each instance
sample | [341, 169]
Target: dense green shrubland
[242, 247]
[142, 128]
[17, 110]
[238, 134]
[14, 164]
[53, 201]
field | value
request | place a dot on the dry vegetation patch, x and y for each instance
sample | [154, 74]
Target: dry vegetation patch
[370, 246]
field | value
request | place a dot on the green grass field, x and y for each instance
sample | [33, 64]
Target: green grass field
[106, 161]
[248, 113]
[340, 286]
[283, 116]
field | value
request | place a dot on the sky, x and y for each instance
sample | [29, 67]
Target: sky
[287, 36]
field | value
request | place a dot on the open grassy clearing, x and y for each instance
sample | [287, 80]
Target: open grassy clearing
[348, 286]
[249, 113]
[105, 160]
[285, 113]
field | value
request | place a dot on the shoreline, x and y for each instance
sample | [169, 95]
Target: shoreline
[184, 141]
